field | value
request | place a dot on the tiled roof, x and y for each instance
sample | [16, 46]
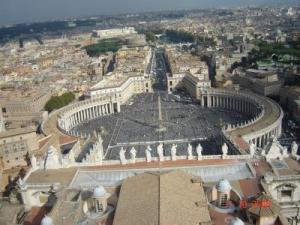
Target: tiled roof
[265, 207]
[161, 198]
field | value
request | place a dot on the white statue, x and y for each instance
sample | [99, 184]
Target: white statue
[33, 162]
[100, 155]
[71, 156]
[252, 148]
[89, 158]
[132, 154]
[294, 149]
[190, 151]
[285, 152]
[173, 152]
[148, 153]
[274, 139]
[122, 156]
[199, 150]
[20, 183]
[99, 149]
[274, 150]
[160, 152]
[52, 159]
[224, 149]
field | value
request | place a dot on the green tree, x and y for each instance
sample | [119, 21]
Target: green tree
[179, 36]
[150, 36]
[57, 102]
[103, 46]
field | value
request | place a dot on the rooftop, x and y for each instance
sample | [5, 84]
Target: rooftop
[161, 198]
[17, 131]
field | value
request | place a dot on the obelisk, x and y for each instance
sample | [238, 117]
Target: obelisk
[161, 127]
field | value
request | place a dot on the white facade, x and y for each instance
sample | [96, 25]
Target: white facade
[286, 190]
[123, 91]
[111, 33]
[2, 122]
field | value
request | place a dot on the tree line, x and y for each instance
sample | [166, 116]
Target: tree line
[56, 102]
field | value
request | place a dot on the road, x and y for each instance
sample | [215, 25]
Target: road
[159, 70]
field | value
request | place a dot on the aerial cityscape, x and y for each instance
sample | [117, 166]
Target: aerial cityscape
[146, 116]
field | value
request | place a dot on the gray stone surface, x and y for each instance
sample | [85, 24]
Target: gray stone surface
[90, 179]
[137, 124]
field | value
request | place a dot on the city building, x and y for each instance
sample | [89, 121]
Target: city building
[2, 122]
[131, 76]
[25, 108]
[186, 71]
[260, 81]
[289, 99]
[112, 33]
[16, 144]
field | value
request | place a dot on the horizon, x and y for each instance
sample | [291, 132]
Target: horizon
[13, 12]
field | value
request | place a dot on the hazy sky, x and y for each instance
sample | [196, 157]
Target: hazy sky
[19, 11]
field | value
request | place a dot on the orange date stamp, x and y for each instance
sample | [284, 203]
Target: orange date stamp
[255, 204]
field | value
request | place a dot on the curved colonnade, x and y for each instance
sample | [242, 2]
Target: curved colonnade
[86, 110]
[265, 116]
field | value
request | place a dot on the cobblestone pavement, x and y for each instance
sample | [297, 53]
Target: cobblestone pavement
[185, 122]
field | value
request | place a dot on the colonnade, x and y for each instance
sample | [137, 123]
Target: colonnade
[236, 103]
[262, 140]
[84, 112]
[258, 131]
[260, 137]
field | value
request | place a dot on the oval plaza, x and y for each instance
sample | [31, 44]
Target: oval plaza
[257, 118]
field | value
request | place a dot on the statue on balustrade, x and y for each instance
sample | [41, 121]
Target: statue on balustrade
[132, 154]
[71, 156]
[252, 148]
[190, 151]
[148, 153]
[199, 150]
[173, 152]
[285, 153]
[122, 156]
[294, 150]
[224, 149]
[160, 152]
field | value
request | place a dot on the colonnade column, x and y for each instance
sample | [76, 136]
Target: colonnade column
[208, 101]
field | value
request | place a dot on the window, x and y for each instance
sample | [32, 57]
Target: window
[99, 206]
[286, 193]
[224, 199]
[171, 83]
[254, 220]
[146, 85]
[4, 110]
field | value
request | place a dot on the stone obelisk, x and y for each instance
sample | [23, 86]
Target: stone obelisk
[161, 127]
